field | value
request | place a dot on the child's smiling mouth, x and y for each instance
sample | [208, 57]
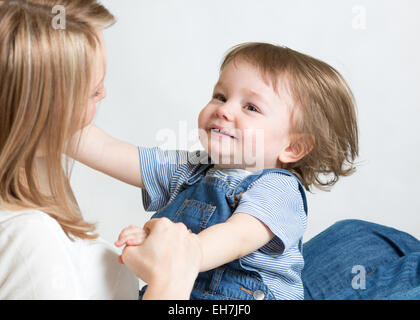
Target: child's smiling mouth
[221, 133]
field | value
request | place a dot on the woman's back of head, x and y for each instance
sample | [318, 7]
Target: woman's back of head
[46, 77]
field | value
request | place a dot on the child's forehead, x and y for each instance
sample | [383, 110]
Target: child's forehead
[278, 81]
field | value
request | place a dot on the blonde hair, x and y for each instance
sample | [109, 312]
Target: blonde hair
[324, 110]
[46, 75]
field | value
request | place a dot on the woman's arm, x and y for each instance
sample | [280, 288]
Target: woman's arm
[240, 235]
[106, 154]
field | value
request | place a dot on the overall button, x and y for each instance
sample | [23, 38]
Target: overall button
[259, 295]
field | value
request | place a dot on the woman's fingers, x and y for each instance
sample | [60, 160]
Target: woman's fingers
[134, 236]
[157, 225]
[136, 239]
[160, 225]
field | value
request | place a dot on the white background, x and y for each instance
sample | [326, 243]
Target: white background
[163, 61]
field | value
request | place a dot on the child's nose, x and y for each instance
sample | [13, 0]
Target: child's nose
[225, 112]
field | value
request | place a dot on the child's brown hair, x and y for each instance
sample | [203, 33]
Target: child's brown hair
[324, 110]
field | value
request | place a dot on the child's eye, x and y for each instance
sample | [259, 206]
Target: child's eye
[252, 108]
[220, 97]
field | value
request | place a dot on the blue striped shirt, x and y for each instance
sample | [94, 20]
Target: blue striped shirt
[274, 199]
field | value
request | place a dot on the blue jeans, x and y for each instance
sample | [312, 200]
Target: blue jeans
[355, 259]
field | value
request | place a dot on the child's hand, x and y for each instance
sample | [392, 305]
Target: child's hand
[130, 236]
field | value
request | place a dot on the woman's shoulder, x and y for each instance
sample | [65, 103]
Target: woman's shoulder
[35, 234]
[38, 231]
[36, 251]
[34, 221]
[32, 233]
[22, 216]
[37, 262]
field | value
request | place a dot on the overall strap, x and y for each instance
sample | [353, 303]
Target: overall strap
[201, 171]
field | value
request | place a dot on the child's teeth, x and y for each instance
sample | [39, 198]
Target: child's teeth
[220, 131]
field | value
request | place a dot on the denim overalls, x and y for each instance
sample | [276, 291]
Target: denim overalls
[206, 201]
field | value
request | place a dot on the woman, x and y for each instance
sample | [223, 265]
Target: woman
[51, 82]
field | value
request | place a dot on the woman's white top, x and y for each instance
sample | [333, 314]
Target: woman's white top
[38, 261]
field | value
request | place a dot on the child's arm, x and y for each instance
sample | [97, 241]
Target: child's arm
[111, 156]
[240, 235]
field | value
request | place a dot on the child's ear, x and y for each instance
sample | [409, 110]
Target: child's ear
[300, 145]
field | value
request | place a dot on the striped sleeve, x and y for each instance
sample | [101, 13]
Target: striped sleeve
[275, 200]
[163, 172]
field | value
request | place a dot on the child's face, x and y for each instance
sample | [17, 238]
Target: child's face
[253, 117]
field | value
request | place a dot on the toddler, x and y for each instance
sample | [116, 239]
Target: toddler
[294, 117]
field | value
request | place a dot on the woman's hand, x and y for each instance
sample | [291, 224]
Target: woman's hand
[168, 259]
[130, 236]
